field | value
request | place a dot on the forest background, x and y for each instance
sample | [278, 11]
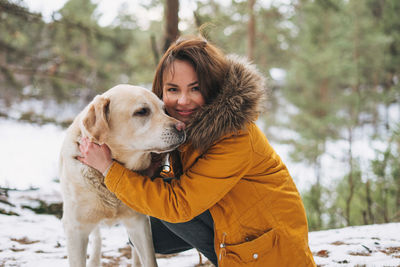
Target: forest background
[333, 68]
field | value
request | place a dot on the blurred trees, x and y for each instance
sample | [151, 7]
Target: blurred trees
[70, 57]
[251, 38]
[343, 84]
[341, 61]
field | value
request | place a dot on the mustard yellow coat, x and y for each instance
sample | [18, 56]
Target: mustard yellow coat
[257, 211]
[229, 168]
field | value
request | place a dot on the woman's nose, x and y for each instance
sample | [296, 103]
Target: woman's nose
[183, 99]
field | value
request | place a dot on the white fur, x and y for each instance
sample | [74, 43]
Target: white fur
[131, 138]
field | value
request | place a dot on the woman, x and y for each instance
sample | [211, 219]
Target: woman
[234, 199]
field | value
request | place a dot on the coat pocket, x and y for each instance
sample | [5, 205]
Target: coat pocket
[254, 249]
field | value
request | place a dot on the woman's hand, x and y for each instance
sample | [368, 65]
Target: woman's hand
[94, 155]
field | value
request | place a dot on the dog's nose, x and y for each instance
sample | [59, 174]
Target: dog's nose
[180, 126]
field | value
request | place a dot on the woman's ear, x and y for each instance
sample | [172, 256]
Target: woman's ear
[95, 121]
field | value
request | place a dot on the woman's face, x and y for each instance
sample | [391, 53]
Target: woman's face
[181, 92]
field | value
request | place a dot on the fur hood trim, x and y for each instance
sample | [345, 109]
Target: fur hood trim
[238, 104]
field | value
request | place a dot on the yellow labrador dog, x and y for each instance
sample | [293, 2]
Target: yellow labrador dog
[132, 122]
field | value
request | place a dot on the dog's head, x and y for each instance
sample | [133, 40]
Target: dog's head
[131, 119]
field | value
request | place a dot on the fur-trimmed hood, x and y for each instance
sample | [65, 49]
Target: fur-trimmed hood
[239, 102]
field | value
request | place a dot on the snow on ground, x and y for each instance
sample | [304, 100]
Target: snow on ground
[38, 240]
[33, 240]
[29, 154]
[368, 245]
[29, 158]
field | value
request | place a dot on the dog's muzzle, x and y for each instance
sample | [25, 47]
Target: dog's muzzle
[173, 136]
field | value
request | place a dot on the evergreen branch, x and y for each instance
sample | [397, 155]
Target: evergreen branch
[46, 73]
[11, 49]
[19, 11]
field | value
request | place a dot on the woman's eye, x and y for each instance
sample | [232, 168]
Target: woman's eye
[142, 112]
[196, 88]
[172, 89]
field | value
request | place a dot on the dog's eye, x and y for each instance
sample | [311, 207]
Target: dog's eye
[142, 112]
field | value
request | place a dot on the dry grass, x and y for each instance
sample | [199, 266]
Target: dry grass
[24, 241]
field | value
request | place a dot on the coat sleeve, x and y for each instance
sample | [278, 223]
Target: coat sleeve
[199, 188]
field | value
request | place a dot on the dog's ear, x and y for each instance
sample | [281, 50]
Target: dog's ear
[95, 121]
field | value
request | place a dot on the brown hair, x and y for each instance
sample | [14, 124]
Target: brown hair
[208, 61]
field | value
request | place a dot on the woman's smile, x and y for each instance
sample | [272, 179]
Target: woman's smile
[181, 91]
[185, 112]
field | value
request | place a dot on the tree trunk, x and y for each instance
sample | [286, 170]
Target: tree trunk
[370, 215]
[397, 179]
[171, 22]
[251, 27]
[350, 179]
[154, 49]
[318, 204]
[197, 19]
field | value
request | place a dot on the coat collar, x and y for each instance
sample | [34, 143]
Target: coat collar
[238, 103]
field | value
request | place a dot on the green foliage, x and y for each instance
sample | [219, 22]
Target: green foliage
[227, 27]
[342, 64]
[343, 74]
[355, 206]
[386, 169]
[313, 200]
[80, 11]
[72, 56]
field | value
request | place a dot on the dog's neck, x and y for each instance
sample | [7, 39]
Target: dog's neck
[133, 160]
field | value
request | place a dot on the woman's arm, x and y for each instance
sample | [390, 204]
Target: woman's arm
[201, 186]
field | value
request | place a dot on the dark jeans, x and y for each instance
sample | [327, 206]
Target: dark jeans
[197, 233]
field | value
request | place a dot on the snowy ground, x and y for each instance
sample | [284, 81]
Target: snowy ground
[38, 240]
